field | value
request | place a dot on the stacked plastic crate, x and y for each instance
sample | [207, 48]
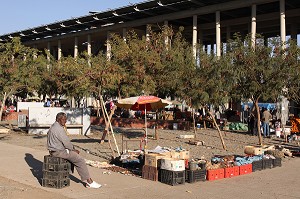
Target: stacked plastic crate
[173, 168]
[172, 171]
[195, 173]
[55, 172]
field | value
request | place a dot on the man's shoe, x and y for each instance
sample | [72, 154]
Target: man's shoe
[94, 185]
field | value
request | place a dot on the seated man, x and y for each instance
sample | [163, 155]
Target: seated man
[59, 145]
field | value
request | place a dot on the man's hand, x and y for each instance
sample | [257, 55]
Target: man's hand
[76, 151]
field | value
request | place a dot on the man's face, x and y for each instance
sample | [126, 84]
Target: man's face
[62, 121]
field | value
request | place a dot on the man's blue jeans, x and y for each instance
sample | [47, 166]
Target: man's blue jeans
[266, 129]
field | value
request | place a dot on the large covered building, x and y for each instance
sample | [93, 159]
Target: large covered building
[208, 22]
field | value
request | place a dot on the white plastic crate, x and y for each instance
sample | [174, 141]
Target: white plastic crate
[172, 164]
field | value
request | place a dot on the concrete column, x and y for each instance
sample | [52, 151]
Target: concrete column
[218, 34]
[166, 24]
[34, 55]
[124, 32]
[76, 47]
[89, 45]
[48, 50]
[108, 46]
[253, 26]
[195, 36]
[294, 31]
[59, 50]
[147, 33]
[282, 23]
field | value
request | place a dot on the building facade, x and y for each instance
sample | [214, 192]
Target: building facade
[210, 23]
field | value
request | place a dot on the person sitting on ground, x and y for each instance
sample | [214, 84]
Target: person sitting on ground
[59, 145]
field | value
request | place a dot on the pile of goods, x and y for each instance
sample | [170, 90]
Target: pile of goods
[174, 167]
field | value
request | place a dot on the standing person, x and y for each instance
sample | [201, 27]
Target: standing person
[266, 116]
[59, 145]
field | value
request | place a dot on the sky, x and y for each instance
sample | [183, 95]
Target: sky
[17, 15]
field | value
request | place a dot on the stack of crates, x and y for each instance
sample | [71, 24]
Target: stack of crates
[55, 172]
[172, 171]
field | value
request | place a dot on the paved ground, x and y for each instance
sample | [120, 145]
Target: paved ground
[23, 165]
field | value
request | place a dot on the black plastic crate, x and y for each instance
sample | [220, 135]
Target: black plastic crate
[58, 184]
[55, 175]
[54, 160]
[277, 162]
[56, 167]
[257, 165]
[172, 177]
[192, 176]
[267, 163]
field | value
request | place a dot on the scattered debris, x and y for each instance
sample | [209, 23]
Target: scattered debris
[186, 136]
[197, 143]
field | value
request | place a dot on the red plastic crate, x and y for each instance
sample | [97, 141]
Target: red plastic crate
[215, 174]
[232, 171]
[245, 169]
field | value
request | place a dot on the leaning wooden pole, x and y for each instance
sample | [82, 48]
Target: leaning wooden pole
[194, 122]
[111, 128]
[107, 123]
[108, 135]
[220, 134]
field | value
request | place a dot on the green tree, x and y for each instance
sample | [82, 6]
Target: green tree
[19, 69]
[258, 73]
[292, 90]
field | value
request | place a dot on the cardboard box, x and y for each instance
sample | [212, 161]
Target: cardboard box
[172, 164]
[153, 159]
[180, 155]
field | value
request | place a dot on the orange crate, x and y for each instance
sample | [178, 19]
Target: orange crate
[245, 169]
[232, 171]
[215, 174]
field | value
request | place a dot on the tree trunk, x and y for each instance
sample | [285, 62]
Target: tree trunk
[220, 134]
[155, 126]
[203, 119]
[258, 122]
[3, 104]
[194, 122]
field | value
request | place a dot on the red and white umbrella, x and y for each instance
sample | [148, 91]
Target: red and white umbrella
[146, 103]
[142, 102]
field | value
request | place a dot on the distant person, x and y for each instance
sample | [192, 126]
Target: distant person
[59, 145]
[266, 116]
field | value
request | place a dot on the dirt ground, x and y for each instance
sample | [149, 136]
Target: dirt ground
[91, 149]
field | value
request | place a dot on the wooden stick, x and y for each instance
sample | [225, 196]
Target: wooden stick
[111, 128]
[104, 134]
[220, 134]
[107, 123]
